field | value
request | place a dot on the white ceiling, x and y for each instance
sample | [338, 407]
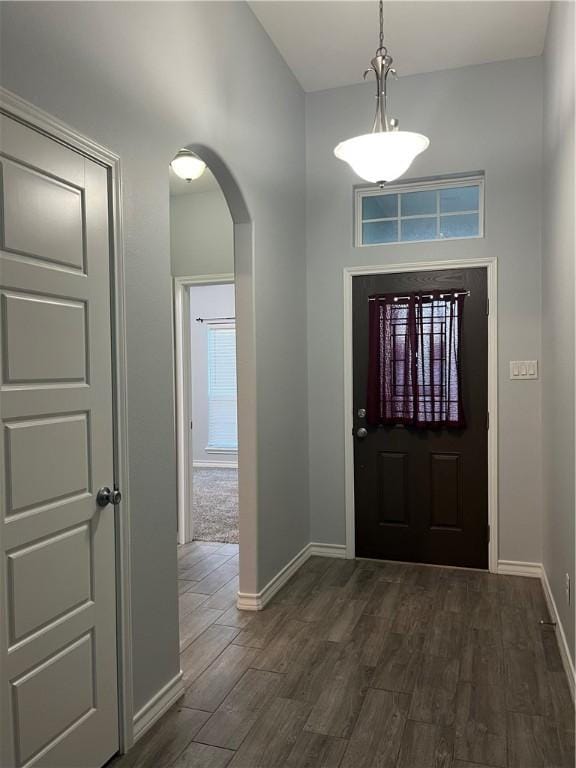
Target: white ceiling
[329, 43]
[206, 183]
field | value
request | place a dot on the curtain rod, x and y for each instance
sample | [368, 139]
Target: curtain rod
[213, 319]
[427, 295]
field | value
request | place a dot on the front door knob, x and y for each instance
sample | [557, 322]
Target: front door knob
[362, 433]
[106, 496]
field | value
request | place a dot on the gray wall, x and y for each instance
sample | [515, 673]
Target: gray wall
[205, 301]
[201, 236]
[558, 309]
[145, 79]
[478, 118]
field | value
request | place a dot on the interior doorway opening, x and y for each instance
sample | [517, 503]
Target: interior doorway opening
[213, 403]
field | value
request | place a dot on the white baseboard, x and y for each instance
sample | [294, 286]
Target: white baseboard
[256, 601]
[537, 570]
[327, 550]
[560, 635]
[520, 568]
[157, 706]
[215, 465]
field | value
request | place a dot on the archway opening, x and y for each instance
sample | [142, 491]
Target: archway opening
[211, 262]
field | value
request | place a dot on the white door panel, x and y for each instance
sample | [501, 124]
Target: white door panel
[49, 157]
[53, 696]
[43, 218]
[65, 562]
[54, 346]
[58, 640]
[58, 474]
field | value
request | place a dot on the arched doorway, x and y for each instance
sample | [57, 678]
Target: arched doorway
[240, 272]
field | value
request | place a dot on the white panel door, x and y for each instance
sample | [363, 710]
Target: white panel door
[59, 700]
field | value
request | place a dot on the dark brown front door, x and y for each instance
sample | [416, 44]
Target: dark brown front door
[421, 495]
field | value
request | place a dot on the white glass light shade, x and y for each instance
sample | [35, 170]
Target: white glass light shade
[187, 166]
[382, 156]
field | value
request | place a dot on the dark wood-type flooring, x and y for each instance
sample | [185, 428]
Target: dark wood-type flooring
[358, 664]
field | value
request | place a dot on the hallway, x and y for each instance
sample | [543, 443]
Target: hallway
[357, 664]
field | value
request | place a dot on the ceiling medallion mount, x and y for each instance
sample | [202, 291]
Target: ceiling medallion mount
[386, 153]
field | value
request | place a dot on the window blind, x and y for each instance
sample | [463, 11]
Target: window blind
[222, 420]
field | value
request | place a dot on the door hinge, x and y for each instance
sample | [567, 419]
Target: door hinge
[488, 420]
[488, 534]
[487, 306]
[191, 425]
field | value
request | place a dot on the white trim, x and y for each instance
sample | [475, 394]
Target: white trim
[490, 264]
[319, 549]
[567, 662]
[45, 123]
[183, 416]
[519, 568]
[255, 602]
[221, 278]
[183, 388]
[419, 185]
[153, 710]
[123, 515]
[215, 464]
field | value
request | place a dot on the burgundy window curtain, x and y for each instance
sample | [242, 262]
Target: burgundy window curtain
[414, 375]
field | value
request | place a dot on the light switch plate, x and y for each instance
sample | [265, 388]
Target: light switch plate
[523, 369]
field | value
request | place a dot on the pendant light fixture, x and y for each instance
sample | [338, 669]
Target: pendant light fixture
[386, 153]
[187, 165]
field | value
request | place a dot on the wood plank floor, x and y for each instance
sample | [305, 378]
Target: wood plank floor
[358, 664]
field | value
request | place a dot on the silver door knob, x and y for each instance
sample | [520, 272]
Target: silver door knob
[362, 433]
[106, 496]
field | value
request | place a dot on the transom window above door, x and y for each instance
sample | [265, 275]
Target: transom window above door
[435, 210]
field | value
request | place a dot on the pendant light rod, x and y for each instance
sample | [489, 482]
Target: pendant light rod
[385, 154]
[381, 65]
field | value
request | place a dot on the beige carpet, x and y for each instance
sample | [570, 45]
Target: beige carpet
[215, 505]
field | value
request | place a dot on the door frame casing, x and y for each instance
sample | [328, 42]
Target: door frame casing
[37, 119]
[491, 266]
[183, 383]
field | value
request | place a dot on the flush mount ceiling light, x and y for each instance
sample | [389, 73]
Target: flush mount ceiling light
[386, 153]
[187, 165]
